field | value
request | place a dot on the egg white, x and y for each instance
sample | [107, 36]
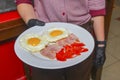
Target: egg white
[24, 42]
[55, 38]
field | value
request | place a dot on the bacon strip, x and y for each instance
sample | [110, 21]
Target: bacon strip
[68, 40]
[51, 49]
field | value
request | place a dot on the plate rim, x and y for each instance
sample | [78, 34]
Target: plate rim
[58, 67]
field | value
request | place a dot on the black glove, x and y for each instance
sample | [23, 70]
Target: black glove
[35, 22]
[100, 56]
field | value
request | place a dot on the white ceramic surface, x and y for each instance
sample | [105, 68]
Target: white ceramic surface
[40, 61]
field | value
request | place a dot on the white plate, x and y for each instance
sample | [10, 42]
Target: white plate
[42, 62]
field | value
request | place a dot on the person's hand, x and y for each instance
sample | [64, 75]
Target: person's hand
[35, 22]
[100, 56]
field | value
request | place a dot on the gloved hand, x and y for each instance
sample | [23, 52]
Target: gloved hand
[100, 56]
[35, 22]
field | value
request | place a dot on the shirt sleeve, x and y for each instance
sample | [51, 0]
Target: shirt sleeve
[97, 7]
[23, 1]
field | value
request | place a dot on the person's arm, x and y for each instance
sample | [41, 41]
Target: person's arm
[97, 11]
[98, 27]
[26, 11]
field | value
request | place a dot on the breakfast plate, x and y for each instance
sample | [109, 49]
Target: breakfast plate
[39, 61]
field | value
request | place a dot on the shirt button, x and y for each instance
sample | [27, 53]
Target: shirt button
[63, 13]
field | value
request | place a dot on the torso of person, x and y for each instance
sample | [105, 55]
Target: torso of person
[71, 11]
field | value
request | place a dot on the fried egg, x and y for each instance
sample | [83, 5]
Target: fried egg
[54, 34]
[33, 42]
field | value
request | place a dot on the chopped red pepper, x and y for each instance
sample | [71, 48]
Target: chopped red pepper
[60, 56]
[69, 51]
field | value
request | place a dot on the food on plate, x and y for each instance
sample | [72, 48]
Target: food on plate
[50, 50]
[71, 51]
[33, 42]
[64, 49]
[54, 34]
[54, 43]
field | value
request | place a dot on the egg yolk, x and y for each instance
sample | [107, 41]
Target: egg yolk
[56, 33]
[34, 41]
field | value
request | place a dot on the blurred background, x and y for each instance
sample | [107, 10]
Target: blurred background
[11, 25]
[7, 5]
[111, 69]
